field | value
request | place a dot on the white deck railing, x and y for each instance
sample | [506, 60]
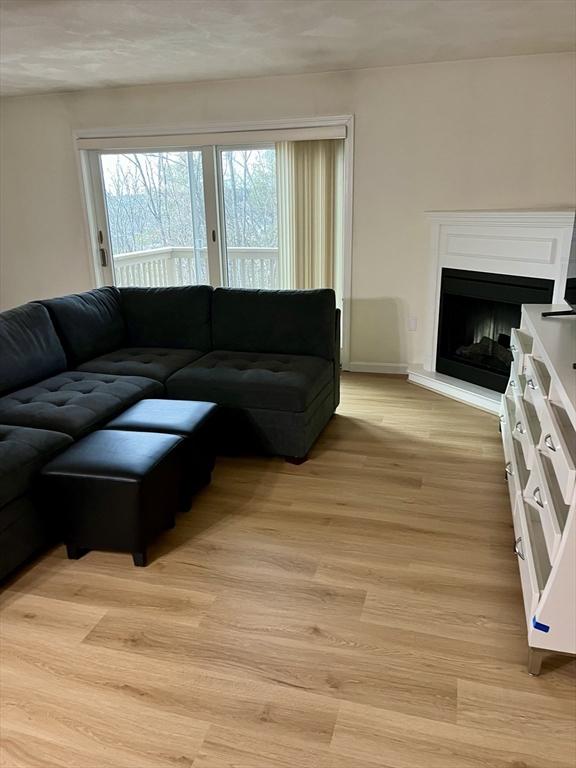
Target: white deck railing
[247, 267]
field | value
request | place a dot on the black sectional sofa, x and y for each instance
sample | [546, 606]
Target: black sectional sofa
[270, 359]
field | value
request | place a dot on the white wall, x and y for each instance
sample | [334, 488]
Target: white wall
[493, 133]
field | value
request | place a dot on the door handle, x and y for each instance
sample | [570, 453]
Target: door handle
[102, 250]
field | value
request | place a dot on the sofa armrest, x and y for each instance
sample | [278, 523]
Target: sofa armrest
[337, 365]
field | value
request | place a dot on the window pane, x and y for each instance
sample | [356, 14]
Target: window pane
[250, 215]
[156, 218]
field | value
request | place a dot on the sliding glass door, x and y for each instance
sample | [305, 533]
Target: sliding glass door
[155, 217]
[250, 212]
[165, 213]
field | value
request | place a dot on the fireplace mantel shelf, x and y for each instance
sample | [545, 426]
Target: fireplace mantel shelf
[522, 218]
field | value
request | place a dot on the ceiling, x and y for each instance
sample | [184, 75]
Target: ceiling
[63, 45]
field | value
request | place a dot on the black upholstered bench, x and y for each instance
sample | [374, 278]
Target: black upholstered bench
[192, 420]
[115, 490]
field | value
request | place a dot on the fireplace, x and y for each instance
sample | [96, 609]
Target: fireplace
[484, 264]
[476, 314]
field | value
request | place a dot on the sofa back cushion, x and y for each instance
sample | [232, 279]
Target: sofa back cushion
[29, 347]
[289, 322]
[177, 317]
[89, 324]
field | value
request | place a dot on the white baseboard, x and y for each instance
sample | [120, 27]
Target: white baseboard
[400, 369]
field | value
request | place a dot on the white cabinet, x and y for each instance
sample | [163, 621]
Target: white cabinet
[538, 422]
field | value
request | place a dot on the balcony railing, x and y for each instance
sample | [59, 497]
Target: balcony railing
[247, 267]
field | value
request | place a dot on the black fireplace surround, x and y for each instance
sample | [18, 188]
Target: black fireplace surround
[477, 313]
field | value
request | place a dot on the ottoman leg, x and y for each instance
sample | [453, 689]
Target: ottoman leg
[140, 558]
[191, 488]
[296, 459]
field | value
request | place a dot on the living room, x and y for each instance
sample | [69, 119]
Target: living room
[287, 446]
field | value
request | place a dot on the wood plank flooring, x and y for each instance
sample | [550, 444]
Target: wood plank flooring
[362, 610]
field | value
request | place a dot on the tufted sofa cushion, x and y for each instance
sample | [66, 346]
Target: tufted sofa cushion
[23, 452]
[74, 402]
[29, 347]
[152, 362]
[252, 380]
[89, 324]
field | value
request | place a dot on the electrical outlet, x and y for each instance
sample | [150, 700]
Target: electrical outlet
[412, 322]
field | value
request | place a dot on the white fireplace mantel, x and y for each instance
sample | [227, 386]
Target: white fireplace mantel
[525, 243]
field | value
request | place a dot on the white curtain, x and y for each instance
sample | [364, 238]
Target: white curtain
[310, 197]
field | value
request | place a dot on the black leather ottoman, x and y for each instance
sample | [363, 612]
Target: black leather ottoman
[193, 420]
[115, 490]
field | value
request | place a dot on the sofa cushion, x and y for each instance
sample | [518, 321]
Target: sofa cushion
[75, 402]
[153, 362]
[177, 317]
[89, 324]
[23, 452]
[252, 380]
[291, 322]
[29, 347]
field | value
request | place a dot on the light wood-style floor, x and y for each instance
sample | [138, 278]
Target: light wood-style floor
[362, 610]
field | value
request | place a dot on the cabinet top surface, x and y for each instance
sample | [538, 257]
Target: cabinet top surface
[557, 339]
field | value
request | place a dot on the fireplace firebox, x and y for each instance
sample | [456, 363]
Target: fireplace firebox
[477, 312]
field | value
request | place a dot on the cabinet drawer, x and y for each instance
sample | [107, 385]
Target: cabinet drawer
[539, 494]
[526, 428]
[526, 564]
[520, 346]
[554, 444]
[507, 411]
[537, 383]
[516, 471]
[511, 469]
[516, 383]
